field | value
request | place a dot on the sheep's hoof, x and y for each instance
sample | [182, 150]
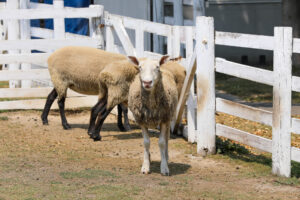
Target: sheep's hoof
[121, 127]
[66, 126]
[96, 137]
[45, 122]
[127, 127]
[145, 171]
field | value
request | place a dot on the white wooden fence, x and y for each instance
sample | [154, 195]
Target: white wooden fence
[201, 106]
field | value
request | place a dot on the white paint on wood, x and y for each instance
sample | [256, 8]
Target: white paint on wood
[245, 40]
[25, 35]
[59, 23]
[13, 33]
[94, 28]
[170, 36]
[244, 71]
[244, 111]
[123, 36]
[176, 41]
[296, 83]
[205, 48]
[36, 58]
[48, 34]
[45, 44]
[243, 137]
[139, 39]
[295, 126]
[152, 55]
[24, 75]
[296, 45]
[31, 92]
[49, 13]
[281, 130]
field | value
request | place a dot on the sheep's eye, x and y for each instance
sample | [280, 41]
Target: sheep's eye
[157, 67]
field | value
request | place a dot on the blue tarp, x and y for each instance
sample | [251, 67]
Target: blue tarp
[72, 25]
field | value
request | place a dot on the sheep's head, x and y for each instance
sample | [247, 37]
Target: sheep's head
[149, 70]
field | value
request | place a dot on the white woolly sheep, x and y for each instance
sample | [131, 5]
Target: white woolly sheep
[79, 68]
[152, 99]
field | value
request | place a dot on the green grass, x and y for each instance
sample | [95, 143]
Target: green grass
[4, 84]
[3, 118]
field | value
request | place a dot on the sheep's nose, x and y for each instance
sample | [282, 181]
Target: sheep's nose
[147, 82]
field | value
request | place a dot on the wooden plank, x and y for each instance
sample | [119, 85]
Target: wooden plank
[25, 35]
[48, 34]
[123, 36]
[24, 75]
[296, 83]
[191, 102]
[139, 39]
[296, 126]
[31, 92]
[13, 33]
[295, 154]
[95, 29]
[244, 71]
[45, 44]
[184, 92]
[245, 40]
[243, 111]
[73, 102]
[49, 13]
[176, 41]
[243, 137]
[296, 45]
[59, 23]
[36, 58]
[205, 48]
[281, 130]
[152, 55]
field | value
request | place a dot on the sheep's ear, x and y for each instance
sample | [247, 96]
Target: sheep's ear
[163, 59]
[176, 59]
[133, 60]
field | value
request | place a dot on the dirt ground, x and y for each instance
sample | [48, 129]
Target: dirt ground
[47, 162]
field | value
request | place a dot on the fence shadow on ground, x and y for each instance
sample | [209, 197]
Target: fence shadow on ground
[239, 152]
[105, 127]
[175, 168]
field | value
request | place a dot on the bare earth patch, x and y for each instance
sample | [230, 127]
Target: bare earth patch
[47, 162]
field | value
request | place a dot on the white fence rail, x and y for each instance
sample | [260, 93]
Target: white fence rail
[201, 106]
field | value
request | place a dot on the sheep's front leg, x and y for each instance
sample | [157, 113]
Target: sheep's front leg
[146, 164]
[163, 145]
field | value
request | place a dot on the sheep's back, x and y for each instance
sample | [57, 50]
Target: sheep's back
[151, 109]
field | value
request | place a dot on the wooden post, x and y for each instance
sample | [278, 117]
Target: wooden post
[176, 41]
[139, 39]
[25, 35]
[109, 36]
[13, 33]
[59, 23]
[206, 106]
[198, 8]
[191, 114]
[158, 16]
[281, 130]
[95, 29]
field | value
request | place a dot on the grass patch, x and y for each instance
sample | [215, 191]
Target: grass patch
[287, 181]
[4, 84]
[87, 174]
[3, 118]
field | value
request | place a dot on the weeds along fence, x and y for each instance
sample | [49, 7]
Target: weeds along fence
[199, 59]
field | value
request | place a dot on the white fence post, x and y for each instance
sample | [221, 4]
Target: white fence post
[95, 29]
[191, 111]
[59, 23]
[25, 35]
[281, 130]
[205, 48]
[13, 33]
[139, 39]
[176, 41]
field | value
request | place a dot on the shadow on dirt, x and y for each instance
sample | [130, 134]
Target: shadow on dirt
[236, 151]
[175, 168]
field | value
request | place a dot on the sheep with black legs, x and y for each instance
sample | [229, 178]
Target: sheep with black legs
[152, 99]
[78, 68]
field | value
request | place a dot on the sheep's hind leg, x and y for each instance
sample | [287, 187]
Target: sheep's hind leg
[101, 117]
[50, 99]
[61, 105]
[123, 109]
[163, 145]
[146, 164]
[99, 107]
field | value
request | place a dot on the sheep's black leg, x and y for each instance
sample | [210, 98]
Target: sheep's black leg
[126, 121]
[120, 123]
[61, 105]
[100, 105]
[101, 117]
[50, 99]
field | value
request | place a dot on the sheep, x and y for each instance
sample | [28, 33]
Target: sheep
[78, 68]
[152, 99]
